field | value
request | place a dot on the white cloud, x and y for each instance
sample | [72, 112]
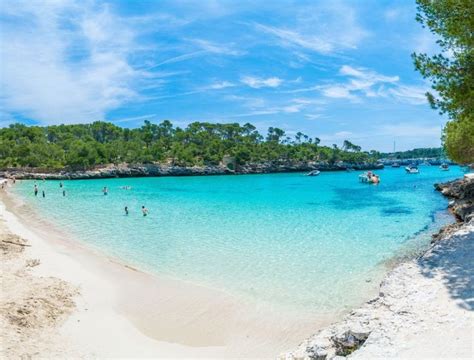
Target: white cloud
[409, 93]
[204, 47]
[294, 38]
[215, 48]
[338, 92]
[179, 58]
[220, 85]
[257, 83]
[367, 83]
[306, 89]
[367, 75]
[294, 108]
[261, 107]
[313, 116]
[324, 27]
[65, 61]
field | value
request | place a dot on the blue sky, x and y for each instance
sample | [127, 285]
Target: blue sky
[332, 69]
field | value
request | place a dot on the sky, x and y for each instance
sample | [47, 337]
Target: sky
[335, 70]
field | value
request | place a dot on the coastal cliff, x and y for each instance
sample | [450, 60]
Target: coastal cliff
[418, 301]
[148, 170]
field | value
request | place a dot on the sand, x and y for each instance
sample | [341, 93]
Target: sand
[108, 309]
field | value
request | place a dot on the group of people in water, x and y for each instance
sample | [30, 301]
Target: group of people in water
[43, 193]
[144, 210]
[373, 178]
[105, 191]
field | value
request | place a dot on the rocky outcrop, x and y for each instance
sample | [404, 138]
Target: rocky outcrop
[461, 205]
[145, 170]
[461, 193]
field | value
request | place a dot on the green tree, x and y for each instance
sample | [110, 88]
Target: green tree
[451, 71]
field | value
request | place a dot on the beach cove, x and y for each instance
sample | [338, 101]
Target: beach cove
[264, 329]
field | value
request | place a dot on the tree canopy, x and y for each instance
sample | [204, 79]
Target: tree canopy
[200, 143]
[452, 71]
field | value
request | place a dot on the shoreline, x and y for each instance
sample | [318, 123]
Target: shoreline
[157, 170]
[153, 315]
[425, 306]
[96, 275]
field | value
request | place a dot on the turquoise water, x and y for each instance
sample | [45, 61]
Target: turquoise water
[283, 239]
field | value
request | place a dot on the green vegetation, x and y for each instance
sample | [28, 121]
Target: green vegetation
[420, 153]
[87, 145]
[452, 72]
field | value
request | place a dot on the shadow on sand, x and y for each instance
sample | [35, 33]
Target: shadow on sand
[454, 259]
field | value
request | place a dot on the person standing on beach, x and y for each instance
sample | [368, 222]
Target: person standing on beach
[36, 190]
[144, 210]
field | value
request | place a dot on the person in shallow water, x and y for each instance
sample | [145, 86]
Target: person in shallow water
[126, 210]
[44, 194]
[64, 192]
[60, 184]
[105, 190]
[144, 210]
[36, 190]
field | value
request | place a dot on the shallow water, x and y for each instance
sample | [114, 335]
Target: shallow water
[282, 239]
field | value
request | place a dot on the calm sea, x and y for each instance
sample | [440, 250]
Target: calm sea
[283, 239]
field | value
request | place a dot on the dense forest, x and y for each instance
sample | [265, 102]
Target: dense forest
[200, 143]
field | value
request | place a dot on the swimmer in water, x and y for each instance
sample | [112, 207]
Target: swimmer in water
[144, 210]
[36, 190]
[126, 210]
[105, 190]
[60, 184]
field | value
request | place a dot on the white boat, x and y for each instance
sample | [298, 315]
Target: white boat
[313, 173]
[412, 169]
[395, 165]
[444, 167]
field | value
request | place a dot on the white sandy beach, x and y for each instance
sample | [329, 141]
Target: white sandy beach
[61, 299]
[122, 312]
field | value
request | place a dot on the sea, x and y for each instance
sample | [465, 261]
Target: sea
[286, 240]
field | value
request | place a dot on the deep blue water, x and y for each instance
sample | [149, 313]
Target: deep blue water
[284, 239]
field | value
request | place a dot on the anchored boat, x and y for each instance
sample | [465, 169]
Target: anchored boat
[412, 169]
[444, 167]
[313, 173]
